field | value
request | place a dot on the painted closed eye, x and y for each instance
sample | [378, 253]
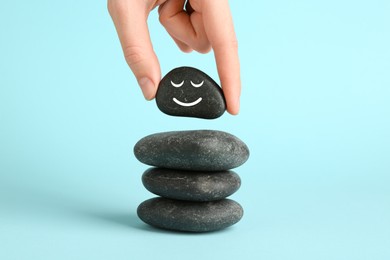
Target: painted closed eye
[197, 85]
[177, 85]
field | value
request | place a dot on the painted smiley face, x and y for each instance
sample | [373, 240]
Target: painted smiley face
[188, 104]
[189, 92]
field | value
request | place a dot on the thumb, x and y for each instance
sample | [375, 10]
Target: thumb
[130, 18]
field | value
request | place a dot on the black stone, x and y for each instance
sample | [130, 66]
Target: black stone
[191, 185]
[200, 150]
[188, 215]
[189, 92]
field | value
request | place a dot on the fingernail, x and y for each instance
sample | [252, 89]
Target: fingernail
[147, 88]
[234, 108]
[238, 105]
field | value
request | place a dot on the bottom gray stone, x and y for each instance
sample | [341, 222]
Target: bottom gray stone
[190, 216]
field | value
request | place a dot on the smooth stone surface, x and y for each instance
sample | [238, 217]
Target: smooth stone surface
[189, 92]
[191, 185]
[199, 150]
[188, 215]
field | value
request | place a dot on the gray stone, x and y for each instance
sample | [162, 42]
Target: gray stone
[188, 215]
[200, 150]
[189, 92]
[191, 185]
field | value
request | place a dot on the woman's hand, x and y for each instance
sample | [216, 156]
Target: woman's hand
[204, 25]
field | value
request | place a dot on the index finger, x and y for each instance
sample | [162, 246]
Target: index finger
[219, 28]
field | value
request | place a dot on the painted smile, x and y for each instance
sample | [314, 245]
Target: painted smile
[183, 104]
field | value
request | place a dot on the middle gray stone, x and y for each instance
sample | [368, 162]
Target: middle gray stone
[191, 185]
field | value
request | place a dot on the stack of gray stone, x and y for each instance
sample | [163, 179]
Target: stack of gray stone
[192, 169]
[192, 176]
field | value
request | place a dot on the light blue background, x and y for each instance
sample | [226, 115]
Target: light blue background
[315, 114]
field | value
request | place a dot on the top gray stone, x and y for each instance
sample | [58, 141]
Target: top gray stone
[189, 92]
[199, 150]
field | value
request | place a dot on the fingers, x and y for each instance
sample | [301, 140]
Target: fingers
[184, 28]
[219, 28]
[182, 46]
[206, 24]
[129, 17]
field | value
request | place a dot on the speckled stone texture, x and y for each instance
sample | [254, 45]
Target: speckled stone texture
[189, 92]
[199, 150]
[190, 216]
[191, 185]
